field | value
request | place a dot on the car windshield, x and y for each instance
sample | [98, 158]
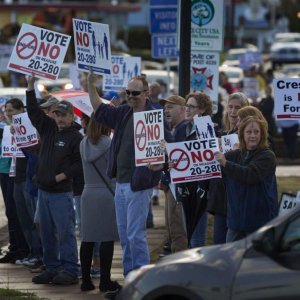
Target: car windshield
[288, 40]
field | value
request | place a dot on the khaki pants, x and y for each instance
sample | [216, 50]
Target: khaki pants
[175, 223]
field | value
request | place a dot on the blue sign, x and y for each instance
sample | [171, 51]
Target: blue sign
[164, 46]
[163, 19]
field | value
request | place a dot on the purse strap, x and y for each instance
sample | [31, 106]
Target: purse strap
[104, 180]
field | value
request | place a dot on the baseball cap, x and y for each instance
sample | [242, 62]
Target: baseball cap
[178, 100]
[51, 101]
[64, 107]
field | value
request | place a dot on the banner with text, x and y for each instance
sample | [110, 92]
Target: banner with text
[287, 98]
[148, 132]
[8, 147]
[24, 132]
[92, 46]
[229, 141]
[39, 51]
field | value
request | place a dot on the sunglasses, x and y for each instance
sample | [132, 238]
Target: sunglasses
[133, 93]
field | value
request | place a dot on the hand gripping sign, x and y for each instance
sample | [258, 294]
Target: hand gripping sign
[24, 132]
[193, 160]
[92, 46]
[39, 51]
[8, 147]
[148, 132]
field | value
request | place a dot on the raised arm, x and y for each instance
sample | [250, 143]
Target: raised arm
[96, 100]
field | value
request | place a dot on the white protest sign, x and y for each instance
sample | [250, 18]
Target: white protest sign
[123, 69]
[5, 53]
[287, 98]
[92, 46]
[204, 127]
[207, 25]
[287, 202]
[194, 160]
[229, 141]
[25, 133]
[148, 132]
[251, 87]
[39, 51]
[8, 147]
[205, 75]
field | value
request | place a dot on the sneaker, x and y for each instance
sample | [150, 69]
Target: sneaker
[9, 258]
[44, 278]
[95, 273]
[111, 294]
[20, 262]
[31, 262]
[65, 278]
[155, 200]
[112, 286]
[87, 286]
[37, 269]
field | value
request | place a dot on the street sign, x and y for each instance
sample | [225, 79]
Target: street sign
[164, 46]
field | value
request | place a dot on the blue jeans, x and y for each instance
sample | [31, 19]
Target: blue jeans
[25, 206]
[220, 229]
[131, 211]
[57, 224]
[199, 234]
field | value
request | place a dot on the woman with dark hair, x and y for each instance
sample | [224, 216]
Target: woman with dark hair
[250, 180]
[18, 248]
[193, 195]
[98, 217]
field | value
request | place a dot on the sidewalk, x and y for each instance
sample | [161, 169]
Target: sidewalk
[19, 278]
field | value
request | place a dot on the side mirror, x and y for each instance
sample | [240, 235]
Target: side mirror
[265, 241]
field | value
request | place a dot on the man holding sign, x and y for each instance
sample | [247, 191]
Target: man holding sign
[134, 184]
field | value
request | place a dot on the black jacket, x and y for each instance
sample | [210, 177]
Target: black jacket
[59, 149]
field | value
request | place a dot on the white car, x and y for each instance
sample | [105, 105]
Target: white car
[235, 74]
[285, 49]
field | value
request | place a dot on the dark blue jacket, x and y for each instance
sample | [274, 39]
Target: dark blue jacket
[116, 118]
[251, 189]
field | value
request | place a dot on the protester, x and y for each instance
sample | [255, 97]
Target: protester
[18, 247]
[250, 180]
[59, 163]
[134, 184]
[174, 108]
[217, 201]
[98, 217]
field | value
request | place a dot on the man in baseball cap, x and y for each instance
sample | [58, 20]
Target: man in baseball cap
[49, 105]
[63, 114]
[178, 100]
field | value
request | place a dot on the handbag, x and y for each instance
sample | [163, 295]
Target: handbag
[104, 180]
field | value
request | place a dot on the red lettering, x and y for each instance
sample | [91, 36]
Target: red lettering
[82, 39]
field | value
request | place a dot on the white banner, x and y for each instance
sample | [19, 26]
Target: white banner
[92, 46]
[207, 25]
[148, 132]
[8, 147]
[24, 132]
[287, 98]
[123, 69]
[229, 141]
[287, 202]
[194, 160]
[39, 51]
[205, 75]
[204, 127]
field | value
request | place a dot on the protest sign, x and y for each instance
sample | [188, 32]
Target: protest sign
[193, 160]
[39, 51]
[205, 75]
[123, 69]
[229, 141]
[204, 127]
[8, 147]
[287, 202]
[148, 132]
[251, 88]
[287, 98]
[24, 132]
[92, 46]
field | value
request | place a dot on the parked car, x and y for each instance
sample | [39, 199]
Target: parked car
[285, 49]
[235, 74]
[264, 265]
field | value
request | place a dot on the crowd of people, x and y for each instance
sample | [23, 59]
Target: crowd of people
[96, 172]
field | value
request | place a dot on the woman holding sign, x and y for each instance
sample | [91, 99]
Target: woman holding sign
[250, 180]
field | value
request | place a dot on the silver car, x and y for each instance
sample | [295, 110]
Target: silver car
[265, 265]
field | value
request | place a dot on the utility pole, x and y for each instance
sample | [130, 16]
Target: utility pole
[185, 47]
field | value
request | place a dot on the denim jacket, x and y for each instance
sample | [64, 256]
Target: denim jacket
[116, 118]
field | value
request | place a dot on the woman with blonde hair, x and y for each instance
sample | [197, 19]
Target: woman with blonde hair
[250, 180]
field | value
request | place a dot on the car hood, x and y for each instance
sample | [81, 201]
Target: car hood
[278, 46]
[207, 271]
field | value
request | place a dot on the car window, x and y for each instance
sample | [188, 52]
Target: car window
[291, 237]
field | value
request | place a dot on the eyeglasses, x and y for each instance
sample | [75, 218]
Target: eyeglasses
[191, 106]
[133, 93]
